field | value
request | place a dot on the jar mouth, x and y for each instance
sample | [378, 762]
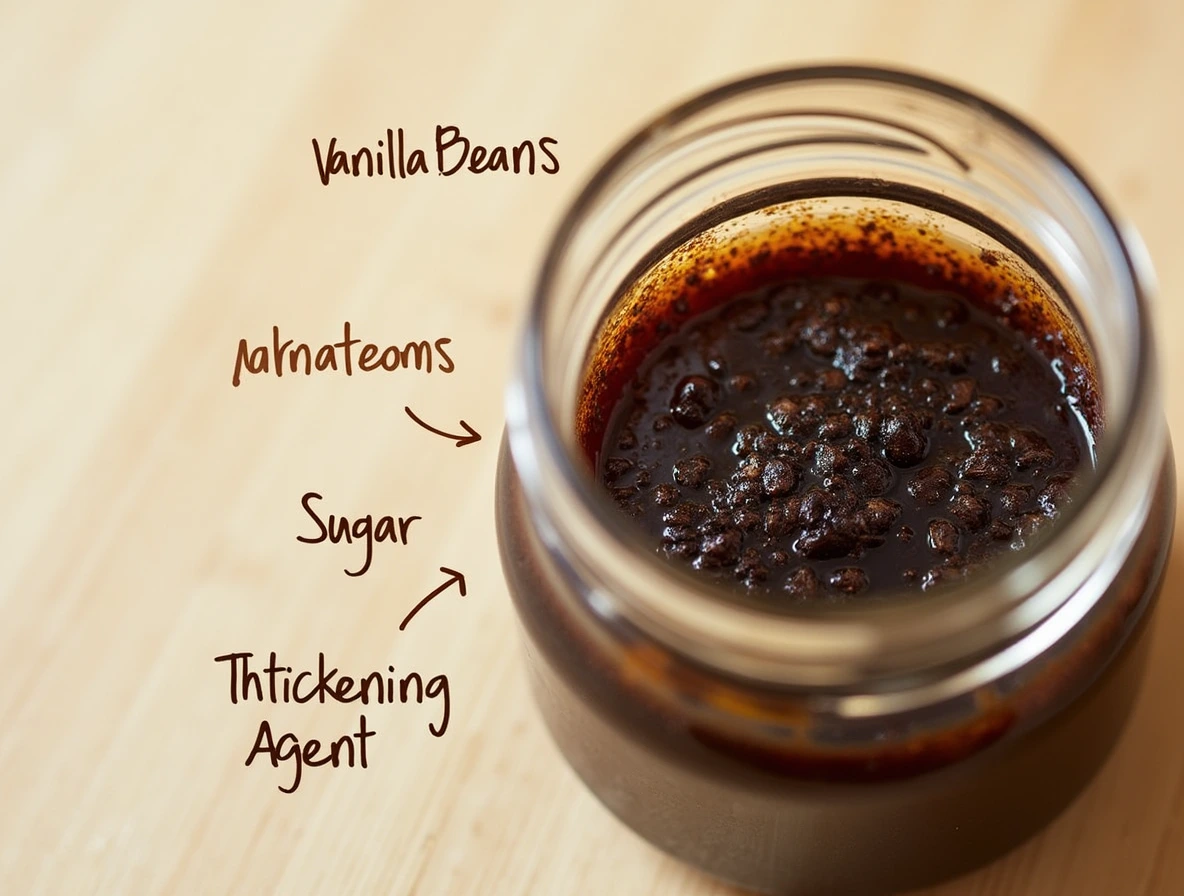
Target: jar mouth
[844, 643]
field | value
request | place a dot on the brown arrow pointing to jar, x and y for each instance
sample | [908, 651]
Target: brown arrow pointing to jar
[461, 441]
[453, 577]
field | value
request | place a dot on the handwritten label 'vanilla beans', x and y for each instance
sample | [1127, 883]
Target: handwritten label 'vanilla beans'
[452, 153]
[289, 355]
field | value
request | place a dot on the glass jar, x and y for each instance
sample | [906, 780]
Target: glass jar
[856, 748]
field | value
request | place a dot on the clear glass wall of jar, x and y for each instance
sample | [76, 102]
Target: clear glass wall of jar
[844, 749]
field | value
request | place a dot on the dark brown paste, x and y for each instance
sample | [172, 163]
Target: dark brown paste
[810, 434]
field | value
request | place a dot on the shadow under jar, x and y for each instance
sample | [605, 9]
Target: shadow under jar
[901, 736]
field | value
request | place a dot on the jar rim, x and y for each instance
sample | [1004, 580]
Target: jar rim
[811, 646]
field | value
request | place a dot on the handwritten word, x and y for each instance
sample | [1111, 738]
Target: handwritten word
[276, 684]
[303, 358]
[288, 748]
[453, 153]
[365, 528]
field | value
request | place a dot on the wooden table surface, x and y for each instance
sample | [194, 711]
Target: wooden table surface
[162, 202]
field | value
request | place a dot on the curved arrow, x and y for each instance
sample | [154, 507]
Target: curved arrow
[461, 441]
[453, 577]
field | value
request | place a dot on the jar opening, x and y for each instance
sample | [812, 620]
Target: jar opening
[823, 136]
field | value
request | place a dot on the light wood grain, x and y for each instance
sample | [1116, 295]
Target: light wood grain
[161, 202]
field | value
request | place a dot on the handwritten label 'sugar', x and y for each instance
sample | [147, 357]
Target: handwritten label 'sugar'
[364, 528]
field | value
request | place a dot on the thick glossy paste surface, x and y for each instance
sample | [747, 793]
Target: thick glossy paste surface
[814, 435]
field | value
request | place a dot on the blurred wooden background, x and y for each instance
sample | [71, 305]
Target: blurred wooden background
[162, 201]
